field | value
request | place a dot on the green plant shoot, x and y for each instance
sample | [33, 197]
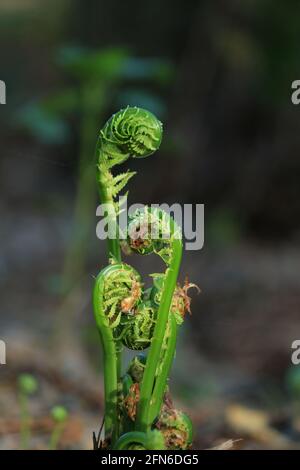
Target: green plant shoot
[27, 386]
[139, 413]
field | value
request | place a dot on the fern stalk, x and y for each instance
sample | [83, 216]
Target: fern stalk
[125, 313]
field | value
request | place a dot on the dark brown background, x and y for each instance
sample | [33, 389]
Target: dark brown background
[218, 74]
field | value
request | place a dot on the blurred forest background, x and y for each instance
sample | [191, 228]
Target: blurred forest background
[218, 74]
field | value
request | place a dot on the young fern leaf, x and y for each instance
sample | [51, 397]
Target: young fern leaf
[125, 313]
[120, 181]
[132, 132]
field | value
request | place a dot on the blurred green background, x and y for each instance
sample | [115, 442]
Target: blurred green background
[218, 74]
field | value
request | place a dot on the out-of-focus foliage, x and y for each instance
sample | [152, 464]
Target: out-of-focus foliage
[95, 75]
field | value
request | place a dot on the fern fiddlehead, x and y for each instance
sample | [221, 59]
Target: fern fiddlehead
[127, 314]
[132, 132]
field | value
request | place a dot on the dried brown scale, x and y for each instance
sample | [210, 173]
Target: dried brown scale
[181, 301]
[128, 303]
[167, 415]
[131, 401]
[168, 402]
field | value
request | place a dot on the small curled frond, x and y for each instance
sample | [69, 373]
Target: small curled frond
[176, 427]
[138, 330]
[152, 230]
[125, 311]
[131, 132]
[121, 292]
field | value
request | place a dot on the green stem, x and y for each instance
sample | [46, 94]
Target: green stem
[143, 422]
[161, 380]
[56, 435]
[110, 355]
[132, 132]
[113, 243]
[149, 441]
[25, 418]
[113, 249]
[131, 438]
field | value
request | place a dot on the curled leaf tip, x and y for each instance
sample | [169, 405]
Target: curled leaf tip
[131, 132]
